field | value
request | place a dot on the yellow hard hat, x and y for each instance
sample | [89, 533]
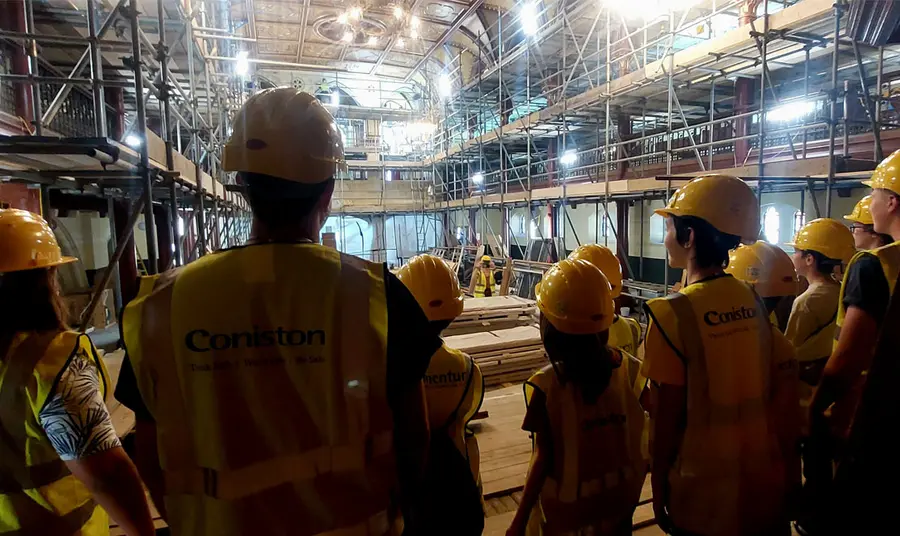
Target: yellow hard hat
[603, 258]
[486, 258]
[725, 202]
[768, 268]
[27, 242]
[887, 175]
[829, 237]
[434, 286]
[575, 297]
[285, 133]
[861, 213]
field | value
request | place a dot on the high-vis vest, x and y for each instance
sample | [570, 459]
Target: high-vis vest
[729, 477]
[454, 388]
[625, 334]
[843, 410]
[598, 466]
[38, 495]
[482, 280]
[264, 368]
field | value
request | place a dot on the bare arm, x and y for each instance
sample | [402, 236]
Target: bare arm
[852, 356]
[670, 412]
[147, 460]
[537, 474]
[114, 482]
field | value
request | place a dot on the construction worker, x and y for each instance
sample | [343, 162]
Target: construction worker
[624, 333]
[587, 469]
[864, 235]
[62, 464]
[723, 381]
[770, 272]
[283, 379]
[868, 285]
[485, 284]
[821, 248]
[454, 390]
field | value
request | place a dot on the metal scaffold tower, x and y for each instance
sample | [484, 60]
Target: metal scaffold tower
[138, 120]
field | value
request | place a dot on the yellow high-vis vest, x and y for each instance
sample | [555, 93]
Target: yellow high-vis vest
[598, 465]
[729, 478]
[452, 393]
[482, 280]
[625, 334]
[843, 410]
[264, 368]
[38, 495]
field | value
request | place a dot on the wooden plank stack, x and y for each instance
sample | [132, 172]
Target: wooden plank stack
[491, 314]
[505, 355]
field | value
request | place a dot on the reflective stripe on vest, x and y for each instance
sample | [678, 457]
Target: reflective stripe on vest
[597, 480]
[325, 455]
[16, 477]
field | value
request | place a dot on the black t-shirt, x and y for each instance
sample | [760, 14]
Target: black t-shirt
[867, 287]
[410, 344]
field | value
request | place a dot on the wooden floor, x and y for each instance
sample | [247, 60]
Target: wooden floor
[505, 447]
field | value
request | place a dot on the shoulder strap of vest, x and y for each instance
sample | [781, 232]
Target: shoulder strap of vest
[635, 330]
[16, 476]
[688, 328]
[453, 414]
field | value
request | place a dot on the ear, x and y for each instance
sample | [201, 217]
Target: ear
[690, 241]
[893, 203]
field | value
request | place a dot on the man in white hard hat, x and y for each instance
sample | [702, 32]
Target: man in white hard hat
[282, 379]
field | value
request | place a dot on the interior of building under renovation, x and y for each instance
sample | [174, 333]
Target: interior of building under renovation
[517, 130]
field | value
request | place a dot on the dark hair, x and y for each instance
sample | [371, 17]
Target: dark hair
[30, 301]
[279, 202]
[584, 360]
[824, 265]
[712, 245]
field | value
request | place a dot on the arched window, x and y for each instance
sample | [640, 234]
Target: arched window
[771, 225]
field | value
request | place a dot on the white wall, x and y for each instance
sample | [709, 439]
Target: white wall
[90, 234]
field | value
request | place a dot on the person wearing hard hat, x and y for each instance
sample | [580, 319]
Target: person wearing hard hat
[485, 284]
[588, 467]
[454, 390]
[821, 248]
[723, 380]
[62, 467]
[863, 228]
[624, 333]
[282, 378]
[770, 272]
[868, 285]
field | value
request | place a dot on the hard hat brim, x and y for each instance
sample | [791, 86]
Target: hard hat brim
[668, 212]
[868, 183]
[61, 261]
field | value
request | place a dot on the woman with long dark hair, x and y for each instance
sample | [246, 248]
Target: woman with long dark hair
[62, 468]
[588, 467]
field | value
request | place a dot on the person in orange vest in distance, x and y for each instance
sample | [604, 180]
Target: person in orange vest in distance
[281, 379]
[62, 467]
[724, 403]
[863, 226]
[454, 390]
[588, 467]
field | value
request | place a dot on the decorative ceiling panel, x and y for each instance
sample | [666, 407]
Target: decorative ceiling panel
[278, 11]
[324, 51]
[277, 47]
[272, 30]
[441, 10]
[408, 60]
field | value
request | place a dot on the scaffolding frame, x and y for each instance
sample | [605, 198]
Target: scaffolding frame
[195, 202]
[606, 66]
